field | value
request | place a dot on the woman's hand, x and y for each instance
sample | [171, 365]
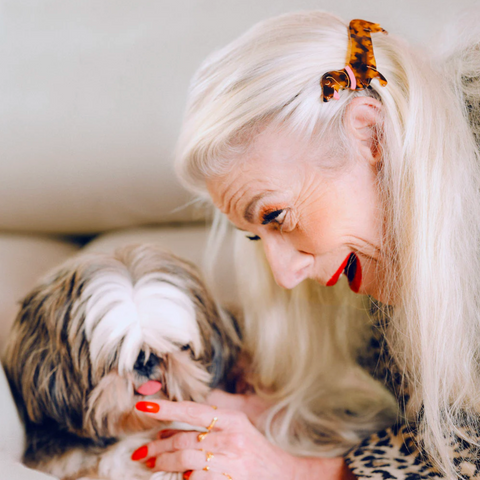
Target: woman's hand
[231, 448]
[250, 404]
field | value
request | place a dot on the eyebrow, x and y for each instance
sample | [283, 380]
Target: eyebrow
[248, 213]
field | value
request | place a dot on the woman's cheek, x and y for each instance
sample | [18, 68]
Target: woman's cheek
[315, 239]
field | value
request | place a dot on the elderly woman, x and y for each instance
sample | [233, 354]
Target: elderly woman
[330, 174]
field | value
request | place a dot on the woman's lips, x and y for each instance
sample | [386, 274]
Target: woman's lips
[352, 269]
[337, 274]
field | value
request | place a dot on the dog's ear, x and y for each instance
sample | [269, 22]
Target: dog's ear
[46, 359]
[219, 364]
[225, 347]
[219, 330]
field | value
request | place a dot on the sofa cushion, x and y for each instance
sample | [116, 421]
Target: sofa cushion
[23, 260]
[92, 95]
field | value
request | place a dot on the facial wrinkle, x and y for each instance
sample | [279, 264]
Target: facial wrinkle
[225, 194]
[359, 245]
[307, 196]
[236, 198]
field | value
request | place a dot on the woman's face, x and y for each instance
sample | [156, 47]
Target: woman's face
[309, 220]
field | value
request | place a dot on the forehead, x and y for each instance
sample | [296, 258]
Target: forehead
[274, 162]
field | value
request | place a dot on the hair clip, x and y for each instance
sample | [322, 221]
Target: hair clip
[361, 67]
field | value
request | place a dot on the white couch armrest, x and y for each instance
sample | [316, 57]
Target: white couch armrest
[12, 439]
[11, 470]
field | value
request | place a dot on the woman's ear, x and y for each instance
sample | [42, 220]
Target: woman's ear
[363, 121]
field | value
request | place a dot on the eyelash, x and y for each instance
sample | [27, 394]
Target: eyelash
[268, 218]
[271, 216]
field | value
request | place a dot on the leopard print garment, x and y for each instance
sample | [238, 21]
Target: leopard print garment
[393, 453]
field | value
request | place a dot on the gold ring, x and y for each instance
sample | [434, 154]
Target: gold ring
[227, 475]
[212, 423]
[201, 436]
[209, 456]
[206, 468]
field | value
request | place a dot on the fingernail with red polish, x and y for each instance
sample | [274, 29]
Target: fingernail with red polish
[148, 407]
[187, 474]
[150, 463]
[140, 453]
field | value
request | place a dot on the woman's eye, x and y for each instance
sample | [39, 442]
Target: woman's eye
[253, 237]
[276, 215]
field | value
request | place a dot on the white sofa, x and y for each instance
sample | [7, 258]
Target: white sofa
[92, 94]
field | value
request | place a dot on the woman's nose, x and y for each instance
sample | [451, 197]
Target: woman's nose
[289, 266]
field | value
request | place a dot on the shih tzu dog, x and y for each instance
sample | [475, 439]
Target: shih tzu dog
[101, 333]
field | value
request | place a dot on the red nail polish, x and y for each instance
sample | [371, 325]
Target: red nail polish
[187, 474]
[140, 453]
[148, 407]
[150, 463]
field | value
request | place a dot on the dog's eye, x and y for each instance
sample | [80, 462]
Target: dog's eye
[185, 348]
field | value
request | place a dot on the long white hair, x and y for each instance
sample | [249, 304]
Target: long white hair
[429, 184]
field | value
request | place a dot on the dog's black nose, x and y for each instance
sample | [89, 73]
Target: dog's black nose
[146, 368]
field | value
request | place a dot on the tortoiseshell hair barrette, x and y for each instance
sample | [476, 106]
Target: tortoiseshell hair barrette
[361, 66]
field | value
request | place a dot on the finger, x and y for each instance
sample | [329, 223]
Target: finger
[186, 441]
[183, 441]
[184, 460]
[167, 433]
[197, 414]
[180, 461]
[226, 400]
[201, 475]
